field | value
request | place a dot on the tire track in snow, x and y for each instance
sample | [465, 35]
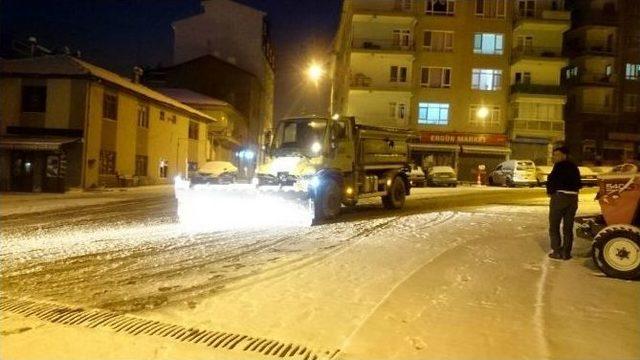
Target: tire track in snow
[538, 314]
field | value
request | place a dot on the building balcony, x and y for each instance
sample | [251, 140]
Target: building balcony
[538, 53]
[600, 50]
[555, 90]
[594, 79]
[382, 45]
[595, 18]
[591, 108]
[362, 82]
[538, 128]
[386, 8]
[551, 20]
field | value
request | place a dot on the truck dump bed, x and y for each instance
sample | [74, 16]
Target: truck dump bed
[382, 147]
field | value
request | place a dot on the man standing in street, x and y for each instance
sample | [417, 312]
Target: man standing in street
[563, 185]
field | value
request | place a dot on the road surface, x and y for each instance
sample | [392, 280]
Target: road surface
[458, 273]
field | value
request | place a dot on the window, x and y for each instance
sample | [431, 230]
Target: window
[525, 42]
[141, 165]
[488, 43]
[194, 128]
[440, 7]
[486, 79]
[110, 106]
[397, 111]
[436, 77]
[398, 74]
[523, 78]
[608, 70]
[107, 162]
[491, 8]
[173, 118]
[438, 41]
[571, 72]
[163, 169]
[143, 116]
[161, 116]
[433, 114]
[632, 72]
[631, 102]
[402, 39]
[34, 99]
[526, 8]
[484, 115]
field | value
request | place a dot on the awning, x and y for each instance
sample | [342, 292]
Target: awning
[35, 143]
[435, 147]
[489, 150]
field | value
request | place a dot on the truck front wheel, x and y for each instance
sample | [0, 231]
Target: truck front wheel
[327, 200]
[616, 251]
[396, 194]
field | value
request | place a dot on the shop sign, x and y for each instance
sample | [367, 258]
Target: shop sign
[464, 138]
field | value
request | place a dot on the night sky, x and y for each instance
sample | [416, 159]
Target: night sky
[119, 34]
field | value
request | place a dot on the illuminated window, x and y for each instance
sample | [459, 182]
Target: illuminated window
[486, 79]
[433, 114]
[488, 43]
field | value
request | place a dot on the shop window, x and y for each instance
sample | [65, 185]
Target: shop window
[107, 162]
[110, 106]
[34, 99]
[142, 162]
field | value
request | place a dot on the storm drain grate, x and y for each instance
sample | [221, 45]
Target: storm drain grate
[118, 322]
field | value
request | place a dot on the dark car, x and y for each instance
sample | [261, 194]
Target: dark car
[587, 176]
[442, 176]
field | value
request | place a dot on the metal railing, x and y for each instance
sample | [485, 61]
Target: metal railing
[537, 89]
[382, 44]
[537, 51]
[592, 78]
[374, 6]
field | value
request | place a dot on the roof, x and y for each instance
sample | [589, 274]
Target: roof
[68, 66]
[189, 97]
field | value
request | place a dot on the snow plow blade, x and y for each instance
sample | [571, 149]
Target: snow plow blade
[237, 206]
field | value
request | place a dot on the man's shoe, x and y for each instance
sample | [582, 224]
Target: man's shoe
[566, 256]
[556, 255]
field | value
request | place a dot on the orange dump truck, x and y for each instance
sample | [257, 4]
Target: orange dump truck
[616, 232]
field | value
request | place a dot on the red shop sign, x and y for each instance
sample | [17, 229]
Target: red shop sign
[463, 138]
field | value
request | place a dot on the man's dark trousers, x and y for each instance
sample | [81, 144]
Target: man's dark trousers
[562, 207]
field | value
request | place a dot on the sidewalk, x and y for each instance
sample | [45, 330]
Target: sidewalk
[13, 203]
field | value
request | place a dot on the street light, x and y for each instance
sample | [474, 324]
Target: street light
[315, 72]
[482, 112]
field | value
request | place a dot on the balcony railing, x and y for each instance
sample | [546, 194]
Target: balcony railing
[534, 51]
[382, 44]
[560, 16]
[538, 126]
[591, 78]
[592, 17]
[382, 6]
[591, 108]
[537, 89]
[597, 49]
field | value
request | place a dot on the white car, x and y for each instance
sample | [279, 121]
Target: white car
[215, 172]
[416, 176]
[513, 173]
[442, 176]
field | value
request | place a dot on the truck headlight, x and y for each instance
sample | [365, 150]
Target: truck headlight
[316, 148]
[315, 182]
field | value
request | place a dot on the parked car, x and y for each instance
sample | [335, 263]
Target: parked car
[442, 176]
[542, 172]
[416, 176]
[215, 172]
[514, 173]
[601, 169]
[587, 176]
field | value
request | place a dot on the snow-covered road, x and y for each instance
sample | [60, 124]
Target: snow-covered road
[456, 274]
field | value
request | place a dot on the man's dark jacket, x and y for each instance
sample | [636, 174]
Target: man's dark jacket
[564, 176]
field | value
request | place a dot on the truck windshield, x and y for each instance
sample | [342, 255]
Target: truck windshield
[299, 136]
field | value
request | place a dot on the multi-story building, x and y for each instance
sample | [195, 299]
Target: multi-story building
[239, 35]
[603, 80]
[67, 123]
[536, 119]
[437, 66]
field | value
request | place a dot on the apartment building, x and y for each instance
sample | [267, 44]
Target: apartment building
[67, 123]
[603, 80]
[440, 67]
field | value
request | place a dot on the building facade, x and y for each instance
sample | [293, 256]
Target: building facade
[67, 123]
[468, 75]
[239, 35]
[603, 81]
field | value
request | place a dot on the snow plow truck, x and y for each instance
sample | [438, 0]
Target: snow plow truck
[314, 166]
[616, 232]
